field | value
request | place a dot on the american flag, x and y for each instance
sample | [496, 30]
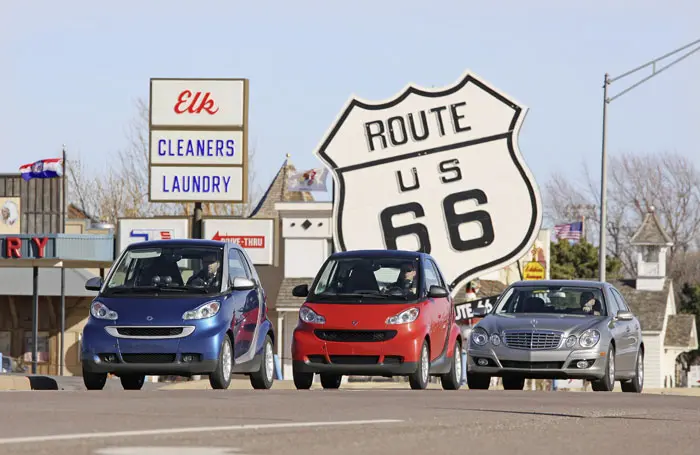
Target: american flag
[571, 231]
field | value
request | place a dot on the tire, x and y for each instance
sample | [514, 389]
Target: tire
[220, 378]
[513, 383]
[265, 376]
[331, 381]
[452, 380]
[132, 381]
[94, 381]
[419, 380]
[478, 381]
[636, 384]
[302, 380]
[607, 382]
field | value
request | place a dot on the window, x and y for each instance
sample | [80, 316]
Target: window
[236, 266]
[440, 278]
[431, 276]
[389, 278]
[651, 254]
[552, 300]
[620, 300]
[184, 268]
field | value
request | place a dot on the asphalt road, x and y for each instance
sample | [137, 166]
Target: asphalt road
[343, 422]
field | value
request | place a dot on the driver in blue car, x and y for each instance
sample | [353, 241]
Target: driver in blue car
[208, 275]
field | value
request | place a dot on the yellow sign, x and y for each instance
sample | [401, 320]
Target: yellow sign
[534, 271]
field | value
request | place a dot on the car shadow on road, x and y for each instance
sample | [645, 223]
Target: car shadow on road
[565, 415]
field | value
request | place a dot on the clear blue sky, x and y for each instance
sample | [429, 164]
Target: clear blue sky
[72, 70]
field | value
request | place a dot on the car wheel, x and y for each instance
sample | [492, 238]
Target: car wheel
[419, 380]
[452, 380]
[636, 384]
[478, 381]
[265, 376]
[94, 381]
[607, 382]
[302, 380]
[513, 383]
[132, 381]
[220, 378]
[331, 381]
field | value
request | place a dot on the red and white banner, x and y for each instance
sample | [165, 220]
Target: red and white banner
[256, 236]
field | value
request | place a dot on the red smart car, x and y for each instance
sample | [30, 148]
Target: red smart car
[377, 313]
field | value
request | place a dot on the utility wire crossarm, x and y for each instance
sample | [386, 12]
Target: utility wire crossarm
[695, 47]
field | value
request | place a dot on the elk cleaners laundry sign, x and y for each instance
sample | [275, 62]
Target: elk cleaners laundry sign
[198, 140]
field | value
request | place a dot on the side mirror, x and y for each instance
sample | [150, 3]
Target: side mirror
[94, 284]
[242, 284]
[480, 312]
[624, 316]
[301, 290]
[437, 292]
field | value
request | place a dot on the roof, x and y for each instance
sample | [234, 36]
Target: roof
[76, 213]
[651, 232]
[178, 242]
[679, 331]
[278, 192]
[17, 281]
[648, 306]
[285, 297]
[575, 283]
[378, 253]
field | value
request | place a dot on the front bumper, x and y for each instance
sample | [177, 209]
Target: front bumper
[536, 364]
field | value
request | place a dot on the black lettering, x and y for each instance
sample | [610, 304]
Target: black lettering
[416, 184]
[371, 135]
[438, 116]
[392, 233]
[456, 118]
[424, 122]
[454, 220]
[450, 166]
[392, 131]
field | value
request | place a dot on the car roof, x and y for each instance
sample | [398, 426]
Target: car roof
[181, 242]
[378, 253]
[573, 283]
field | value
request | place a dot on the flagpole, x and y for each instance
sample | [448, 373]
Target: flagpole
[583, 227]
[63, 270]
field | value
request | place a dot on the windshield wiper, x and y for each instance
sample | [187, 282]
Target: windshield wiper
[373, 294]
[158, 289]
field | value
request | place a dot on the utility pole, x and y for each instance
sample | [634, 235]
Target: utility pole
[603, 165]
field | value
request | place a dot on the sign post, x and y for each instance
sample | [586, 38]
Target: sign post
[435, 170]
[198, 142]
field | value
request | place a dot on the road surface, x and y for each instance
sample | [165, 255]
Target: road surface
[344, 422]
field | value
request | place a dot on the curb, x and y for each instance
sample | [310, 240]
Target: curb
[8, 382]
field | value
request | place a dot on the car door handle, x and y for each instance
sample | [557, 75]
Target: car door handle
[628, 329]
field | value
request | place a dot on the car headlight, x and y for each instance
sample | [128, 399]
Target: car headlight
[479, 336]
[99, 310]
[589, 338]
[495, 339]
[203, 311]
[404, 317]
[309, 316]
[571, 341]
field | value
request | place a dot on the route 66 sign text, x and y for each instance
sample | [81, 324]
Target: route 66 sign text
[436, 170]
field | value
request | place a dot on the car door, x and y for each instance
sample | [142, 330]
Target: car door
[245, 306]
[631, 334]
[439, 310]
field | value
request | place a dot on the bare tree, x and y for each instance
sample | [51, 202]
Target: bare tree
[669, 182]
[122, 190]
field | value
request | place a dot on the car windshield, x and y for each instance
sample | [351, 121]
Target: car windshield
[167, 269]
[365, 279]
[552, 300]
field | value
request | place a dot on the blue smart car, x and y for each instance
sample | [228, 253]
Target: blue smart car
[169, 307]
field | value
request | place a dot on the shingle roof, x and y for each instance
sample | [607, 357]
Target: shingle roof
[679, 331]
[285, 297]
[19, 281]
[278, 192]
[651, 232]
[648, 306]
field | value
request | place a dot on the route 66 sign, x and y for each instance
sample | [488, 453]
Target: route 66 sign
[434, 170]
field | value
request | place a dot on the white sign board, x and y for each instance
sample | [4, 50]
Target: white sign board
[198, 136]
[437, 170]
[134, 230]
[257, 236]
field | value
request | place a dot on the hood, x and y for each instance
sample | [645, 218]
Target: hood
[367, 316]
[496, 323]
[164, 310]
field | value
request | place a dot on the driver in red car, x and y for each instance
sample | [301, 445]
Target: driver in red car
[407, 279]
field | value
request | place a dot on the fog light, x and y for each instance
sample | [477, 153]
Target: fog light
[187, 358]
[581, 364]
[482, 362]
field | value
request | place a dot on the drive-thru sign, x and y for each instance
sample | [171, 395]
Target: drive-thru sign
[437, 170]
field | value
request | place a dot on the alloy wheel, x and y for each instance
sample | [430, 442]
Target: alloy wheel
[611, 369]
[227, 361]
[269, 362]
[425, 364]
[458, 363]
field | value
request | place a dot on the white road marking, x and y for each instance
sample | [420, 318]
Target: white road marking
[117, 434]
[163, 450]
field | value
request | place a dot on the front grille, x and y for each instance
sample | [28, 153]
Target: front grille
[532, 339]
[148, 358]
[355, 359]
[149, 331]
[532, 365]
[355, 335]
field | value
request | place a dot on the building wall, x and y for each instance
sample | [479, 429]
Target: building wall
[669, 366]
[40, 202]
[653, 375]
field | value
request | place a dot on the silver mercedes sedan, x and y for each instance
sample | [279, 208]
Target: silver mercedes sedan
[558, 329]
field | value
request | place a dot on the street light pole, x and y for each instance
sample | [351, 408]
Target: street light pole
[603, 164]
